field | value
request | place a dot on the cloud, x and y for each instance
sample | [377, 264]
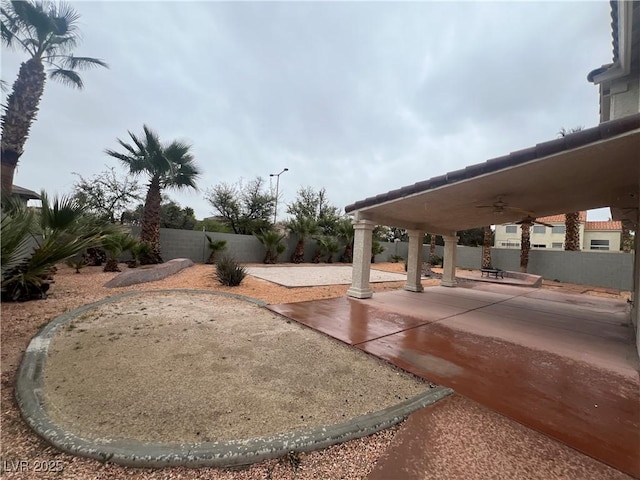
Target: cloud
[359, 98]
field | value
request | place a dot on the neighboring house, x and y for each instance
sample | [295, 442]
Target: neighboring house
[593, 235]
[24, 194]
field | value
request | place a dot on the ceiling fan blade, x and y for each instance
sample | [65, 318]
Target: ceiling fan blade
[545, 224]
[520, 210]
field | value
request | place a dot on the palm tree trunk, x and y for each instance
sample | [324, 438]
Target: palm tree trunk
[626, 240]
[486, 247]
[298, 254]
[21, 111]
[150, 224]
[347, 256]
[525, 246]
[432, 249]
[572, 231]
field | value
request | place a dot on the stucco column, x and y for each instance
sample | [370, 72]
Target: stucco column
[362, 240]
[450, 254]
[414, 261]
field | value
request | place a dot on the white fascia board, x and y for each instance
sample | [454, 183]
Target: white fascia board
[622, 65]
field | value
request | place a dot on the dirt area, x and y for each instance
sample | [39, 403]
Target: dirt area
[199, 368]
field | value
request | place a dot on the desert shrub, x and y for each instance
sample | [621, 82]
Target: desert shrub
[396, 258]
[229, 272]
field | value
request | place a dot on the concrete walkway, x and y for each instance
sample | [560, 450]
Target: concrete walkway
[564, 365]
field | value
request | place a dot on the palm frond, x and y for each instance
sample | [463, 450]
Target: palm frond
[67, 77]
[83, 63]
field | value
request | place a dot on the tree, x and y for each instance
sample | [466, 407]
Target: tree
[315, 205]
[117, 243]
[48, 34]
[571, 219]
[245, 209]
[272, 242]
[34, 242]
[170, 166]
[211, 225]
[432, 248]
[302, 227]
[525, 245]
[106, 195]
[172, 215]
[345, 234]
[626, 239]
[486, 246]
[474, 237]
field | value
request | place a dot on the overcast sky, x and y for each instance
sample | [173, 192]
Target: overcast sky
[359, 97]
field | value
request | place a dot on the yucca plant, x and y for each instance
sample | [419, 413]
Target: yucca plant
[273, 246]
[229, 272]
[215, 246]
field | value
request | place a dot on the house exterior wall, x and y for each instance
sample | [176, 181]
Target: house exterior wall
[548, 238]
[614, 238]
[620, 98]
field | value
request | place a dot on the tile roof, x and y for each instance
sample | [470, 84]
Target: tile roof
[603, 226]
[603, 131]
[560, 218]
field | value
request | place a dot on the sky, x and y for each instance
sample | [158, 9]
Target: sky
[357, 97]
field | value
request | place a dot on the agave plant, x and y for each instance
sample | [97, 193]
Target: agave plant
[33, 243]
[272, 242]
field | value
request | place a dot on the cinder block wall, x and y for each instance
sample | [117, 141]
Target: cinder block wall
[604, 269]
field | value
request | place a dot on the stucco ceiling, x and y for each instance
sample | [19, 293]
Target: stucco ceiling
[602, 173]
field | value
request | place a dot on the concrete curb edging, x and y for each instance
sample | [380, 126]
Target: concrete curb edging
[29, 393]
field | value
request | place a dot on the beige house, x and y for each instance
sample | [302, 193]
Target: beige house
[594, 236]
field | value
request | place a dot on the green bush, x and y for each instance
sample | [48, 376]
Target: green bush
[229, 272]
[396, 258]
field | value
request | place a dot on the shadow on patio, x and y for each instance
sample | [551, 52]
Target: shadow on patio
[564, 365]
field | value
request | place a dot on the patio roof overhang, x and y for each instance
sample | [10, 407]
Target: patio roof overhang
[594, 168]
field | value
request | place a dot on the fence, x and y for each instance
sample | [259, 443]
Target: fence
[603, 269]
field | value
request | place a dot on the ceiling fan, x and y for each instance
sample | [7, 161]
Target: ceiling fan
[500, 206]
[531, 221]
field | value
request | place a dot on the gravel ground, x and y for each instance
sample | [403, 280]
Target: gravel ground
[25, 456]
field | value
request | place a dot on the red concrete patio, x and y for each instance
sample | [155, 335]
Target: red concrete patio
[564, 365]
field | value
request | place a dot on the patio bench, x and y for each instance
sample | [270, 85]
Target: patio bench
[495, 272]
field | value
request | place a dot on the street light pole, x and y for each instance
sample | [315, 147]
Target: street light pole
[277, 175]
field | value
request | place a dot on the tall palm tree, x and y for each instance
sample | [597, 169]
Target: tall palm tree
[525, 245]
[170, 166]
[486, 247]
[48, 33]
[302, 227]
[432, 248]
[572, 231]
[571, 219]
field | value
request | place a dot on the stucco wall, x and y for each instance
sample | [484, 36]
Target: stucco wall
[605, 269]
[613, 237]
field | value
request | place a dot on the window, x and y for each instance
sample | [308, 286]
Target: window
[510, 244]
[558, 229]
[556, 245]
[511, 229]
[599, 244]
[539, 229]
[538, 245]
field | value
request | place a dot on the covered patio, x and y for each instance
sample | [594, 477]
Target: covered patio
[564, 365]
[593, 168]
